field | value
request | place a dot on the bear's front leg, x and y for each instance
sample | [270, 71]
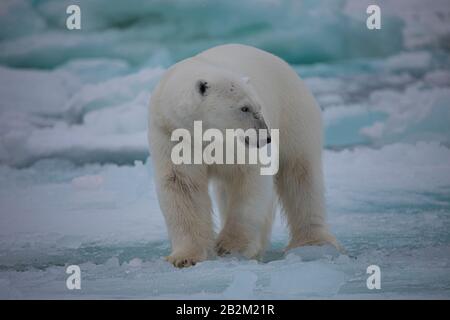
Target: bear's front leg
[184, 200]
[246, 215]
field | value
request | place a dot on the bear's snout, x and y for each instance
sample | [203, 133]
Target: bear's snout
[262, 126]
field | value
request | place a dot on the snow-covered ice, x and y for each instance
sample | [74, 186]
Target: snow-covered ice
[75, 177]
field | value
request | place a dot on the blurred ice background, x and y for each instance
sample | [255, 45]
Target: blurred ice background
[75, 179]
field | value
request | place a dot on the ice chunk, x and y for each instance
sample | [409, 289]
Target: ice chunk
[242, 286]
[114, 114]
[312, 279]
[309, 253]
[417, 114]
[35, 91]
[409, 61]
[88, 182]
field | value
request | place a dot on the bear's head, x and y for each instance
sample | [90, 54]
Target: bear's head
[229, 102]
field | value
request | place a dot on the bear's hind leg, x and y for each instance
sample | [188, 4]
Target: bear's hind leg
[300, 189]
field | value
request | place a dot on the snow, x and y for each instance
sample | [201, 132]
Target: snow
[76, 184]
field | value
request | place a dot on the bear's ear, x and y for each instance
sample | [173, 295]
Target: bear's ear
[202, 87]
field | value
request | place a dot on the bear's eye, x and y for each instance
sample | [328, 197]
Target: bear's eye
[245, 109]
[202, 87]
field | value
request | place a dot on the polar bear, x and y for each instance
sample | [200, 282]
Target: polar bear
[237, 86]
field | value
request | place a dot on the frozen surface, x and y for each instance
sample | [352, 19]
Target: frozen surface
[75, 177]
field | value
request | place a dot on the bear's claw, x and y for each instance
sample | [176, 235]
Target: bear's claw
[181, 263]
[184, 260]
[221, 250]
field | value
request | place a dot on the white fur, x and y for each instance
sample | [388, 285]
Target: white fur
[237, 75]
